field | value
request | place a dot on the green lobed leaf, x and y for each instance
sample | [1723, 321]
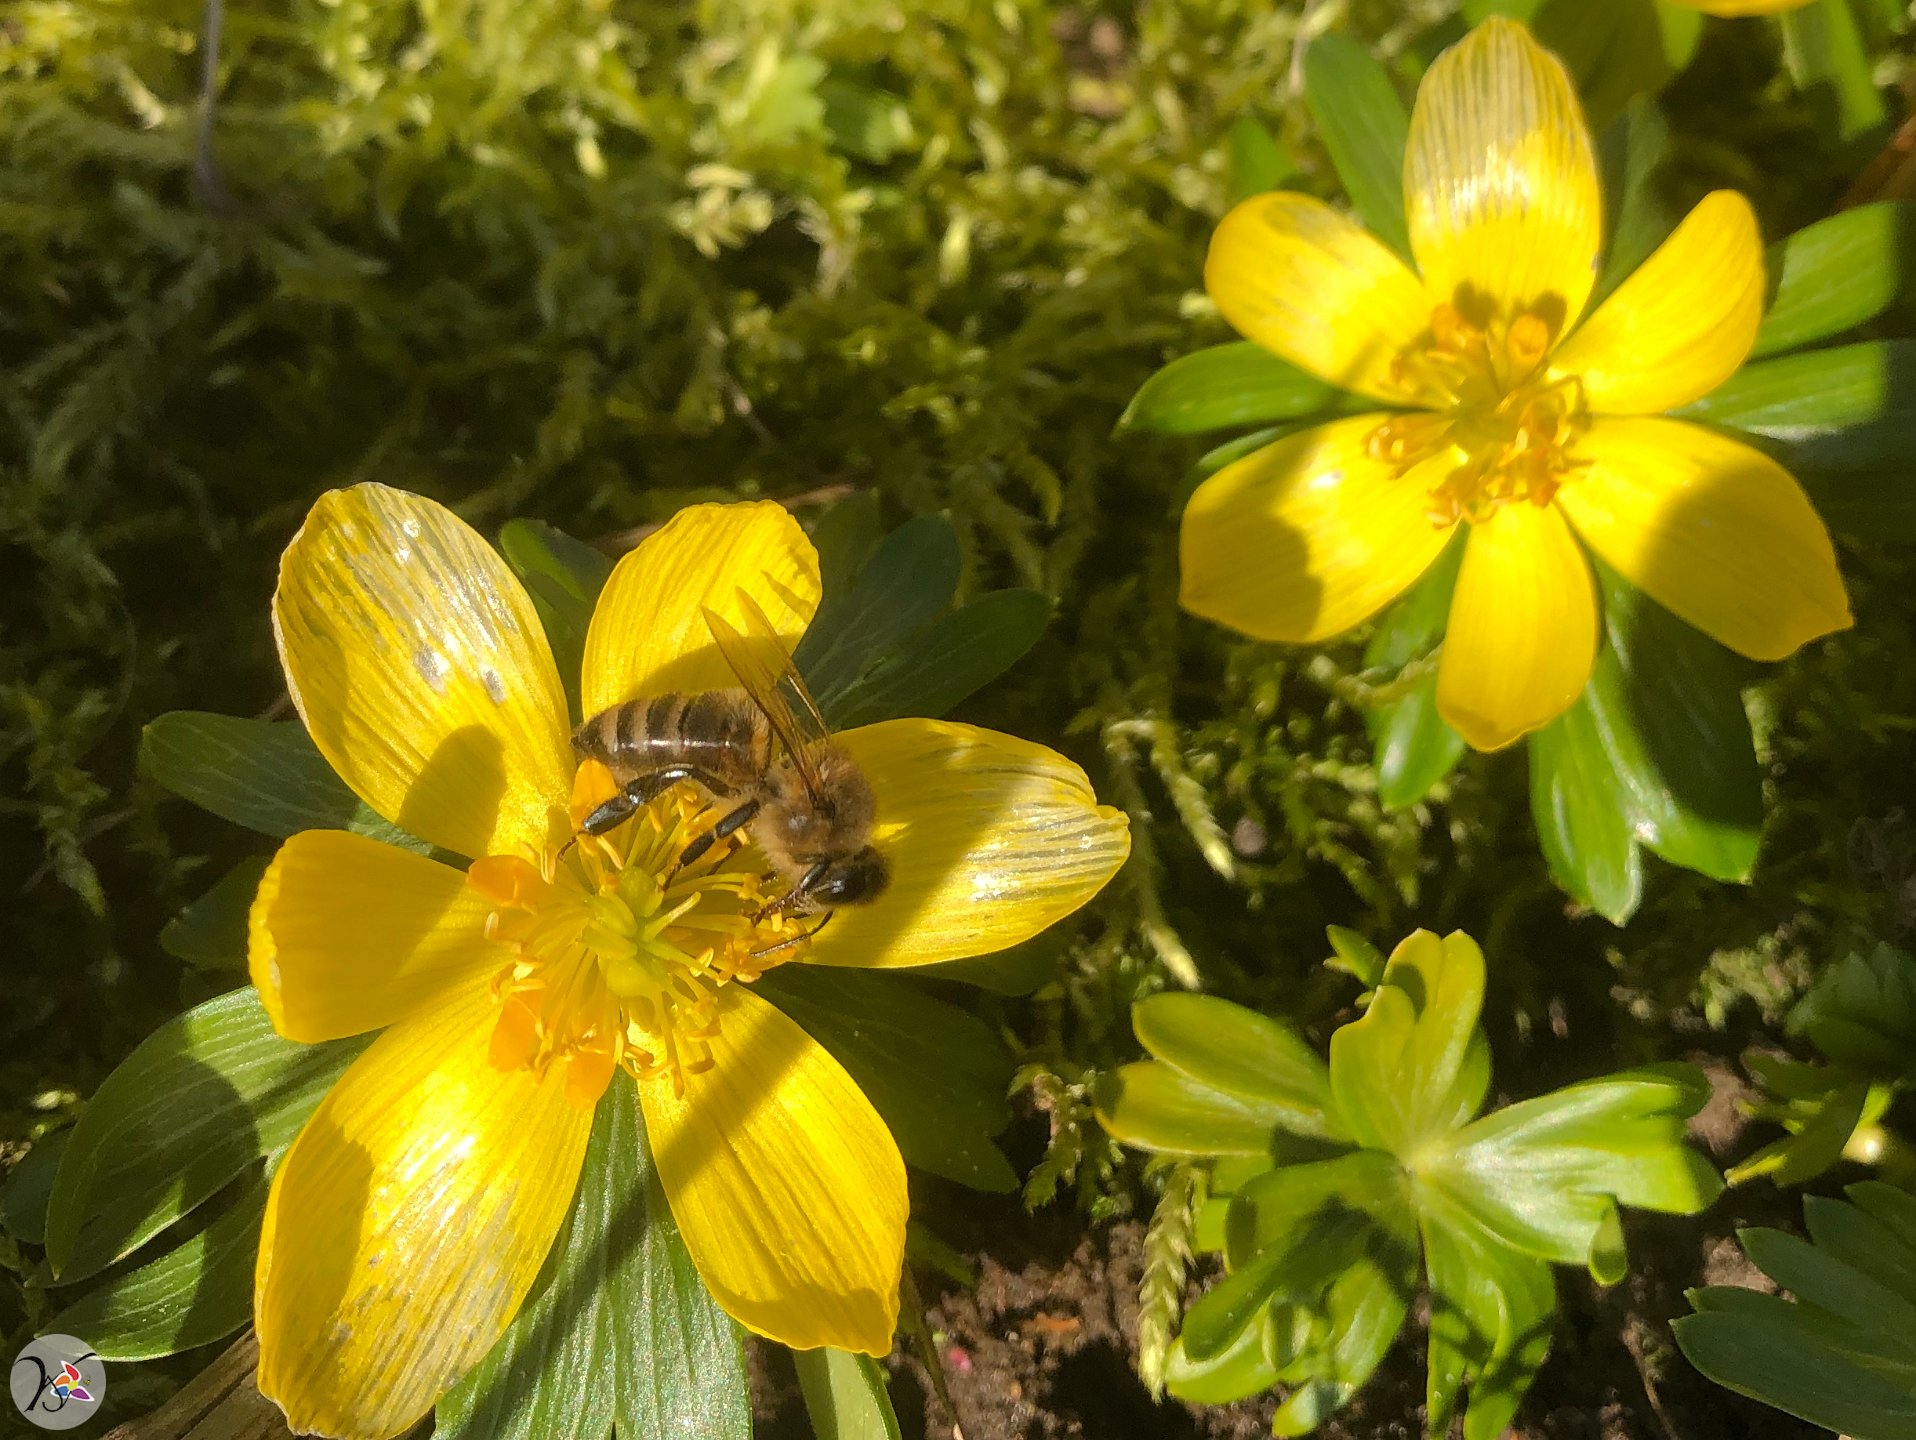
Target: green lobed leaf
[1824, 51]
[1157, 1107]
[935, 1073]
[1861, 1012]
[618, 1301]
[1358, 1320]
[1834, 411]
[1414, 1066]
[1364, 125]
[211, 932]
[1665, 706]
[196, 1293]
[1018, 970]
[266, 775]
[1583, 824]
[1267, 1209]
[1222, 386]
[1258, 162]
[845, 1395]
[1862, 1296]
[1636, 148]
[1615, 51]
[1416, 748]
[910, 578]
[1219, 456]
[1816, 1144]
[201, 1096]
[1766, 1348]
[29, 1184]
[1295, 1269]
[1414, 745]
[947, 661]
[1892, 1207]
[1228, 1047]
[563, 576]
[1852, 1235]
[1609, 1256]
[1791, 1079]
[1543, 1175]
[1837, 273]
[1239, 1371]
[1354, 955]
[1490, 1318]
[845, 536]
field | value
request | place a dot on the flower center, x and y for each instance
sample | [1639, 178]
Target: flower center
[618, 953]
[1507, 423]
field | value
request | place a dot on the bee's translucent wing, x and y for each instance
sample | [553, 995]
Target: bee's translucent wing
[764, 667]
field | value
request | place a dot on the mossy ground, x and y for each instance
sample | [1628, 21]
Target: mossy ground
[591, 261]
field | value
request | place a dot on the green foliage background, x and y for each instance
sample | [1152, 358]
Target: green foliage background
[590, 261]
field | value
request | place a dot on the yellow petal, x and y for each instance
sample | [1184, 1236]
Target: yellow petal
[1500, 185]
[1733, 8]
[990, 839]
[1682, 323]
[1523, 628]
[648, 635]
[1313, 286]
[349, 935]
[1303, 539]
[417, 661]
[1712, 530]
[787, 1187]
[407, 1222]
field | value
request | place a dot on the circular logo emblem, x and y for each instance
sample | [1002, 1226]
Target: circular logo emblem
[57, 1382]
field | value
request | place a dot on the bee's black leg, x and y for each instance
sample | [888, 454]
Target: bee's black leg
[799, 895]
[796, 939]
[640, 791]
[726, 825]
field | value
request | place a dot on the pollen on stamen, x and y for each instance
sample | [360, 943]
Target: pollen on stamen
[618, 955]
[1507, 425]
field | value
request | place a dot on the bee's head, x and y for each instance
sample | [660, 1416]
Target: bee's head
[853, 879]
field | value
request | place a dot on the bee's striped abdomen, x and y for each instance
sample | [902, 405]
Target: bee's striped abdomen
[719, 731]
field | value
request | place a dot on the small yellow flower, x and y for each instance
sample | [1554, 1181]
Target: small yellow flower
[1514, 414]
[408, 1220]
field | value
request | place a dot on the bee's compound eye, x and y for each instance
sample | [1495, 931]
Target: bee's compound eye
[855, 879]
[839, 888]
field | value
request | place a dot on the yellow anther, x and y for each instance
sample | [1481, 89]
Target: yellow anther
[1507, 425]
[619, 954]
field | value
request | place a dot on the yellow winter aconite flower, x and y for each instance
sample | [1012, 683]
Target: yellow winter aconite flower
[409, 1218]
[1511, 412]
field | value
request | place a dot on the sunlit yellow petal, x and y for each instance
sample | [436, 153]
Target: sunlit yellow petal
[1500, 185]
[990, 839]
[1712, 530]
[786, 1185]
[407, 1222]
[648, 635]
[1313, 286]
[349, 935]
[1301, 540]
[1523, 628]
[1734, 8]
[418, 664]
[1679, 326]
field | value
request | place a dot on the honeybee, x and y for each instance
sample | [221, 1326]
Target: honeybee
[800, 796]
